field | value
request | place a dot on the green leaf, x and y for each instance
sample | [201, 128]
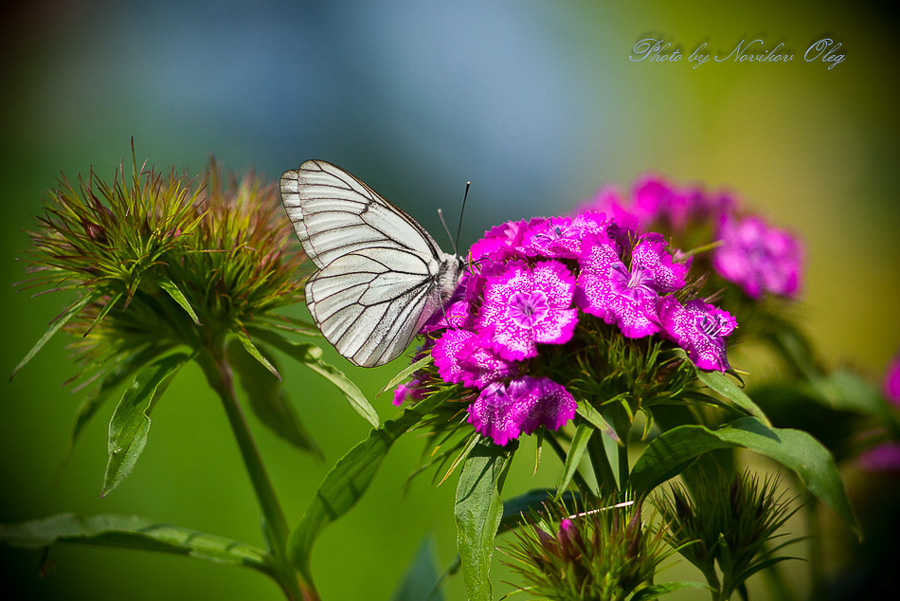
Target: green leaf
[720, 383]
[269, 401]
[254, 352]
[95, 399]
[55, 325]
[407, 372]
[348, 480]
[846, 391]
[587, 411]
[311, 356]
[478, 510]
[131, 532]
[654, 591]
[672, 451]
[421, 581]
[130, 423]
[105, 310]
[178, 296]
[573, 458]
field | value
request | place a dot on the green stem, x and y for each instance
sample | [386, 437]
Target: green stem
[816, 573]
[712, 579]
[275, 526]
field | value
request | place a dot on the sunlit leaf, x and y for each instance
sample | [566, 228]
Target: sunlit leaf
[178, 296]
[96, 397]
[573, 458]
[130, 423]
[478, 511]
[720, 383]
[132, 532]
[587, 411]
[256, 354]
[406, 372]
[61, 320]
[311, 356]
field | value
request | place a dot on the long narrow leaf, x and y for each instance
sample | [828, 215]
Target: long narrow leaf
[478, 511]
[70, 312]
[95, 399]
[311, 356]
[573, 457]
[133, 532]
[348, 480]
[256, 354]
[593, 416]
[407, 372]
[720, 383]
[670, 452]
[269, 401]
[130, 424]
[179, 297]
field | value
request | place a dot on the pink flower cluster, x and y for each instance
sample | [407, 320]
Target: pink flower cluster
[756, 256]
[529, 284]
[886, 456]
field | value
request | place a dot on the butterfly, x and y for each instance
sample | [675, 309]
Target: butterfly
[381, 275]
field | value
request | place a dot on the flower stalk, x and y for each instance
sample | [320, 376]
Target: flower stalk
[276, 530]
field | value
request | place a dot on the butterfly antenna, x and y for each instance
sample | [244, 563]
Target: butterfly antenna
[446, 229]
[462, 210]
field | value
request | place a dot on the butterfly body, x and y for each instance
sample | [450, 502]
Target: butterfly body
[381, 274]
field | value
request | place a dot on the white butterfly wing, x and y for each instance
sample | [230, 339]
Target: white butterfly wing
[334, 213]
[381, 274]
[371, 303]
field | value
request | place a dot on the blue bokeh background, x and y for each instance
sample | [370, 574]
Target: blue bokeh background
[537, 103]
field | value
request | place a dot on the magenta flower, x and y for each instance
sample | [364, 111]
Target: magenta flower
[447, 352]
[883, 458]
[500, 242]
[496, 415]
[503, 412]
[892, 381]
[698, 328]
[454, 315]
[656, 199]
[653, 197]
[524, 306]
[759, 258]
[609, 201]
[410, 390]
[548, 403]
[627, 297]
[464, 357]
[560, 237]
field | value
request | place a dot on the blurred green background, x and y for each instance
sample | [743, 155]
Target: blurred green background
[537, 103]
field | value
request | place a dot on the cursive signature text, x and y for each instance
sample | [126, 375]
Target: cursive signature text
[661, 50]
